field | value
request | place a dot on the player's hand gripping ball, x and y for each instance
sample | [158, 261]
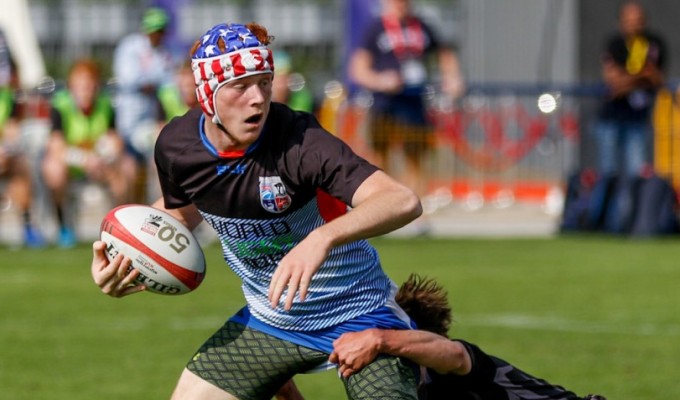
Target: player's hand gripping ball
[168, 256]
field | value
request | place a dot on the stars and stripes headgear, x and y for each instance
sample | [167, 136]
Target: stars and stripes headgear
[214, 65]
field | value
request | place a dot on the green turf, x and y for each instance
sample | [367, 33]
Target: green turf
[591, 313]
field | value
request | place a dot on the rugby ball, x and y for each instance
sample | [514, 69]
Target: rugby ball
[164, 251]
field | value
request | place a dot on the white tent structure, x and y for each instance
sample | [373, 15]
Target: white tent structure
[15, 21]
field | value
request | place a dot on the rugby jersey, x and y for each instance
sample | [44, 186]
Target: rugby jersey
[491, 378]
[264, 201]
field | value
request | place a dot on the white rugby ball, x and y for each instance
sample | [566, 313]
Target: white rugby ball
[164, 251]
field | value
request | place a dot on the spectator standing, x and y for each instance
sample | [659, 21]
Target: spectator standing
[633, 70]
[391, 62]
[141, 65]
[84, 144]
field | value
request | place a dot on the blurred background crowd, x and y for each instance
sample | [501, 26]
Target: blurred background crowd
[567, 107]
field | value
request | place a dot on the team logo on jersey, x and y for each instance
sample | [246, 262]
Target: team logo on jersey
[273, 195]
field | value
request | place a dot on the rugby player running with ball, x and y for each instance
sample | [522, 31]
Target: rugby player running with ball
[292, 205]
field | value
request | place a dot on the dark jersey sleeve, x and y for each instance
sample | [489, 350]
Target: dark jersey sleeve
[170, 145]
[615, 50]
[483, 367]
[328, 163]
[369, 37]
[661, 48]
[492, 378]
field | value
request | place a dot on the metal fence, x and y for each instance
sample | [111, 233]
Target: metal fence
[504, 145]
[490, 148]
[500, 148]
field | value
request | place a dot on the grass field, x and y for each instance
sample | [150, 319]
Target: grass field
[591, 313]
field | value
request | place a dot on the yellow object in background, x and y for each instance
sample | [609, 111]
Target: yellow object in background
[637, 55]
[666, 123]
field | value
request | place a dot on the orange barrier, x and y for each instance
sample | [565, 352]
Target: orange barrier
[500, 149]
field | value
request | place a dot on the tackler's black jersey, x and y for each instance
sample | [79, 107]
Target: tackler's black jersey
[490, 379]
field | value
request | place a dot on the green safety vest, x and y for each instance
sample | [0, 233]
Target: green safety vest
[171, 101]
[301, 100]
[80, 129]
[6, 104]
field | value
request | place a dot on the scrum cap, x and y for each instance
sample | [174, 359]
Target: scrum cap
[226, 52]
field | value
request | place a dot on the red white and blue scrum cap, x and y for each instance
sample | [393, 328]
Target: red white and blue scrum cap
[213, 65]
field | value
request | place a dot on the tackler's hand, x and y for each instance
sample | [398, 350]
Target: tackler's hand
[352, 351]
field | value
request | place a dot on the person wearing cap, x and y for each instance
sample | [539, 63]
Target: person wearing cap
[141, 65]
[293, 206]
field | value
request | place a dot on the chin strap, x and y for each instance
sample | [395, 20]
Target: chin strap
[216, 118]
[221, 127]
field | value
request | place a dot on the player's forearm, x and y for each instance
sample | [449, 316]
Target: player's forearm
[652, 76]
[367, 79]
[362, 73]
[11, 132]
[364, 76]
[189, 215]
[427, 349]
[452, 80]
[448, 64]
[385, 208]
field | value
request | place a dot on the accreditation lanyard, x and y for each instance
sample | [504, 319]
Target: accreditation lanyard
[638, 47]
[408, 42]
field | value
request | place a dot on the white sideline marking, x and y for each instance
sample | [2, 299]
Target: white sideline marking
[511, 321]
[532, 322]
[176, 324]
[198, 323]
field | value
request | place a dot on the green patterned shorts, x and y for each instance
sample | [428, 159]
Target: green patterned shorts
[252, 365]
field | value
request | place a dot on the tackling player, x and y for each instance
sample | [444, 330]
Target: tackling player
[276, 187]
[456, 369]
